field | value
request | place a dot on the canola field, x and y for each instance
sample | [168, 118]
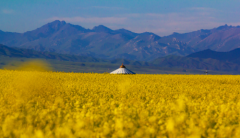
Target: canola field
[56, 104]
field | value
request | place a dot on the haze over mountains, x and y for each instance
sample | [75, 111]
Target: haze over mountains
[102, 42]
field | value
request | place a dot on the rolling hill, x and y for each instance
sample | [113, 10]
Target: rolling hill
[28, 53]
[225, 56]
[196, 63]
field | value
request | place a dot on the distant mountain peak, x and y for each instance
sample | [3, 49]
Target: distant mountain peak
[224, 27]
[45, 30]
[58, 22]
[55, 25]
[149, 36]
[122, 30]
[148, 33]
[102, 28]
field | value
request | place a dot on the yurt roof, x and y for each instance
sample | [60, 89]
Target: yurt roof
[122, 70]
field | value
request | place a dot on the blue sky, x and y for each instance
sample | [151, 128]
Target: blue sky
[162, 17]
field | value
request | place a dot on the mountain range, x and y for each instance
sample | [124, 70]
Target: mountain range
[223, 38]
[105, 43]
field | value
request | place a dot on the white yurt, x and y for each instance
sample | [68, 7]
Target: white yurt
[122, 70]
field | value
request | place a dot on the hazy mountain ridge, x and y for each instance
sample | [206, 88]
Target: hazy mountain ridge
[65, 38]
[223, 38]
[103, 42]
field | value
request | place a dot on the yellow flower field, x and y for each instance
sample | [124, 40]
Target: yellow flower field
[55, 104]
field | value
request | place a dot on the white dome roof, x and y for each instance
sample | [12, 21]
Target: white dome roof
[122, 70]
